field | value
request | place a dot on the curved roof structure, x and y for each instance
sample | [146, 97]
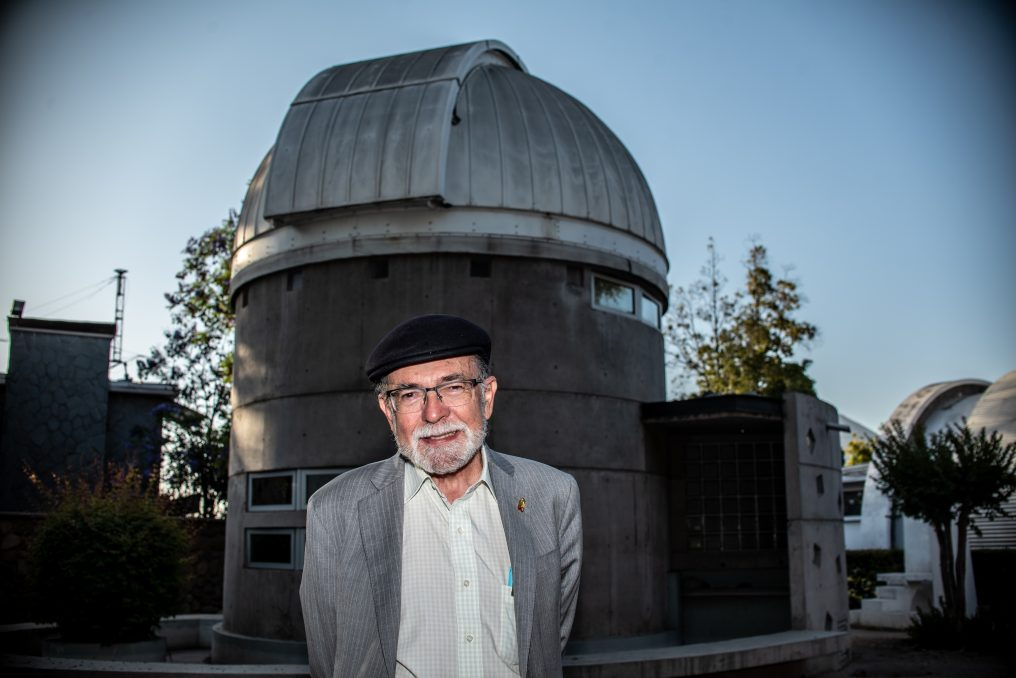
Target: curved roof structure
[996, 410]
[461, 127]
[922, 405]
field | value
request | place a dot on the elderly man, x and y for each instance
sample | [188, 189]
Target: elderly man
[447, 559]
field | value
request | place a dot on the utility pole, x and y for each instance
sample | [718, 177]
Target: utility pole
[121, 292]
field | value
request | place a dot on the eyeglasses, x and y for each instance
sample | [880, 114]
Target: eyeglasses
[452, 393]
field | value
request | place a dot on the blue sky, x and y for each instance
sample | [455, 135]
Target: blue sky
[870, 145]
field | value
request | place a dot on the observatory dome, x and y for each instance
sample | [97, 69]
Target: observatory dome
[454, 149]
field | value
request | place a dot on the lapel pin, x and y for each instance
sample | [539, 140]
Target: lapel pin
[522, 505]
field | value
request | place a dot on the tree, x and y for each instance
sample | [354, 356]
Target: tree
[857, 451]
[197, 359]
[945, 480]
[743, 343]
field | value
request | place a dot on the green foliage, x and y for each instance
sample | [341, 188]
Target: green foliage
[857, 451]
[743, 343]
[106, 564]
[863, 566]
[197, 359]
[945, 480]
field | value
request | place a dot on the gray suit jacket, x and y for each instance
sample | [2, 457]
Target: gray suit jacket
[352, 577]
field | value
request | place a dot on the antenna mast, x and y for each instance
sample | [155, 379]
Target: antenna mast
[121, 291]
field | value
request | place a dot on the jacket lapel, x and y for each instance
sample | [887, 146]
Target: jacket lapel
[381, 533]
[520, 549]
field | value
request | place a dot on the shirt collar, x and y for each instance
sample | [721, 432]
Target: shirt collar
[415, 477]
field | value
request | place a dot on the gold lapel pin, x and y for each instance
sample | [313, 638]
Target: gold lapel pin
[522, 505]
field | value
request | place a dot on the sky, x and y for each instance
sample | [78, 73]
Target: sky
[869, 145]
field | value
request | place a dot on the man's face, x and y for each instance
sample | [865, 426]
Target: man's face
[440, 438]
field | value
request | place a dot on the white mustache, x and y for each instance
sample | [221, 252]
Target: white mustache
[438, 429]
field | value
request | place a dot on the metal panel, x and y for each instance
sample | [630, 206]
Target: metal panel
[335, 184]
[544, 156]
[452, 123]
[513, 141]
[251, 221]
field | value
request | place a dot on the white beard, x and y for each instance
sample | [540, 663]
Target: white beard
[440, 461]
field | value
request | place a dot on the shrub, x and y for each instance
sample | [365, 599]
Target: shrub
[984, 632]
[863, 566]
[107, 564]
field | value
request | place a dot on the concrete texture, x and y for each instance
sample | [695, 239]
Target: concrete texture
[299, 388]
[817, 560]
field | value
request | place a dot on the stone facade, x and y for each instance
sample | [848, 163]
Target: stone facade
[61, 415]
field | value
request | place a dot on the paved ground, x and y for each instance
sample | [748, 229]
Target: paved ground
[889, 654]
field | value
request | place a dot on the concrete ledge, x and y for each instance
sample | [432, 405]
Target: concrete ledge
[234, 648]
[38, 667]
[822, 650]
[186, 631]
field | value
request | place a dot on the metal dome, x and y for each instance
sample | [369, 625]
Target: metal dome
[996, 410]
[462, 127]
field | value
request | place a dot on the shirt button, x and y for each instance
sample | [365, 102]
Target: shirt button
[469, 637]
[460, 530]
[465, 583]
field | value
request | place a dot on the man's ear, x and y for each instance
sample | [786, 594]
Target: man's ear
[382, 403]
[488, 397]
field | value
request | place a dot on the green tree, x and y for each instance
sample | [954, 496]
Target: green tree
[857, 451]
[945, 480]
[197, 359]
[740, 343]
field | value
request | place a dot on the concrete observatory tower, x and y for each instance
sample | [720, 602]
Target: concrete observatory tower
[445, 181]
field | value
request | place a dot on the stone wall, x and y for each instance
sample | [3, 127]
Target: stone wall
[202, 592]
[52, 373]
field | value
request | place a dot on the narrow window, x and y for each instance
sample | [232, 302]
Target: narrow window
[613, 296]
[574, 276]
[294, 280]
[378, 267]
[479, 267]
[650, 311]
[243, 298]
[852, 500]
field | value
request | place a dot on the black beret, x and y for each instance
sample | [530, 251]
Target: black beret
[426, 338]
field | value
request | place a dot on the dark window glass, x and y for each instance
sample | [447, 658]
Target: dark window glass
[574, 274]
[314, 481]
[479, 267]
[273, 548]
[271, 491]
[852, 502]
[378, 268]
[294, 280]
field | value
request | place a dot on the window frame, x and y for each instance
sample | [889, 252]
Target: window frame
[656, 305]
[635, 291]
[297, 538]
[260, 475]
[301, 482]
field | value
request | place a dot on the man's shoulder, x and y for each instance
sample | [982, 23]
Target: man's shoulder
[530, 470]
[354, 484]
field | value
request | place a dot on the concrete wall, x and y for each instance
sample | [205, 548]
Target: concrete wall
[817, 561]
[571, 379]
[55, 410]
